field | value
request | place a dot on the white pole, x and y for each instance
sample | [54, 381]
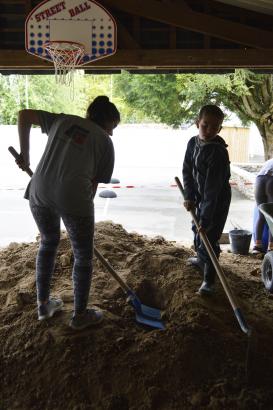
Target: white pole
[111, 87]
[26, 91]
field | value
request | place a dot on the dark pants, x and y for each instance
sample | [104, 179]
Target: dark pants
[81, 232]
[213, 233]
[263, 194]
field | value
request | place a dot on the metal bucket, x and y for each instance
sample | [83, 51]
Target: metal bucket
[240, 241]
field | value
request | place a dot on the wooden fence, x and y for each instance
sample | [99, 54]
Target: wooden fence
[237, 139]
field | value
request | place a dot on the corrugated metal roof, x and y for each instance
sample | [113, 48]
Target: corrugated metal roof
[260, 6]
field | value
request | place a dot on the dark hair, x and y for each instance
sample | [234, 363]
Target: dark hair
[212, 110]
[101, 111]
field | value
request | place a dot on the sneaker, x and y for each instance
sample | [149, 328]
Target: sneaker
[50, 308]
[257, 250]
[196, 262]
[90, 317]
[206, 289]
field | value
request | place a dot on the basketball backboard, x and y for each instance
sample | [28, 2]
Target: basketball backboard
[85, 22]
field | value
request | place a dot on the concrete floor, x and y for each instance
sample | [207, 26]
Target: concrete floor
[148, 211]
[159, 211]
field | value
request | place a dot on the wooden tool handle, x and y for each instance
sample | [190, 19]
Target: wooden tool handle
[111, 270]
[18, 157]
[237, 310]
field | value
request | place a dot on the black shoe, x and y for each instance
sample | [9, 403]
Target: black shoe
[196, 262]
[90, 317]
[257, 250]
[207, 287]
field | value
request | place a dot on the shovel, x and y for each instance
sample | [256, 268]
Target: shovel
[145, 315]
[250, 332]
[235, 306]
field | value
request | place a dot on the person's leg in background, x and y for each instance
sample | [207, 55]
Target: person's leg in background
[81, 233]
[48, 223]
[269, 196]
[260, 198]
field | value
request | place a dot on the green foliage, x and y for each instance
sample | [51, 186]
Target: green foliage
[9, 99]
[172, 99]
[166, 98]
[41, 92]
[36, 92]
[150, 97]
[233, 92]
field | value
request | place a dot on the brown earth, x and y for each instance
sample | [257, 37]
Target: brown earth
[198, 362]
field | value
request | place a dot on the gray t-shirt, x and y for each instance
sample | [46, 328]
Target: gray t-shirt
[78, 151]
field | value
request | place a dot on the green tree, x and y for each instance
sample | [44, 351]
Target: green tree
[243, 92]
[9, 99]
[176, 98]
[150, 97]
[33, 91]
[41, 92]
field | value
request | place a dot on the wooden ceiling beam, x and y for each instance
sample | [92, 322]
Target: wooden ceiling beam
[260, 6]
[13, 16]
[28, 6]
[125, 40]
[172, 38]
[181, 16]
[136, 28]
[11, 30]
[152, 59]
[12, 2]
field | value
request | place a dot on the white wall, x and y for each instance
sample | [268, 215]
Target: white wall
[144, 153]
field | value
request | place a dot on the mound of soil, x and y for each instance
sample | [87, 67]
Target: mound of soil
[199, 361]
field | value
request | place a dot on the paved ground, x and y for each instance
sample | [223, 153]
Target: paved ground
[159, 211]
[146, 157]
[150, 211]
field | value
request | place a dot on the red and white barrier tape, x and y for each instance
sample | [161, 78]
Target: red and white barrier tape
[232, 183]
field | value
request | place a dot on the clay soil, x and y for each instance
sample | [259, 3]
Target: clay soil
[198, 362]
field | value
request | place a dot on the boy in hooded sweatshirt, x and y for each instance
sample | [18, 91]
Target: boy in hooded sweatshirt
[206, 173]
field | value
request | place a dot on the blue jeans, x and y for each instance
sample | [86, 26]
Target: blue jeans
[263, 194]
[80, 230]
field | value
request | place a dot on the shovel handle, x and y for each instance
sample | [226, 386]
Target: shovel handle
[235, 306]
[111, 270]
[18, 157]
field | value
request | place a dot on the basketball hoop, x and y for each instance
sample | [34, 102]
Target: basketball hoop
[58, 34]
[66, 55]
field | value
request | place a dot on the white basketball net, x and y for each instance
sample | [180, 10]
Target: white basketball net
[66, 56]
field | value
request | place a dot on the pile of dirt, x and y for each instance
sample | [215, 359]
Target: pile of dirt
[198, 362]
